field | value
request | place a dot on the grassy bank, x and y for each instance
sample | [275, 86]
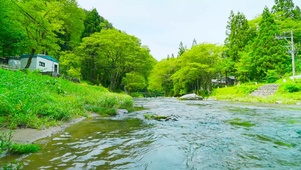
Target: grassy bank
[289, 92]
[28, 99]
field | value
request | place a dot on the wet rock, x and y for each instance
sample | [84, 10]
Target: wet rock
[159, 117]
[121, 111]
[192, 96]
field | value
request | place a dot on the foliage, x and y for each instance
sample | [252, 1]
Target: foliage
[182, 49]
[196, 69]
[290, 87]
[238, 35]
[13, 37]
[109, 55]
[31, 100]
[272, 76]
[134, 82]
[72, 17]
[160, 79]
[94, 23]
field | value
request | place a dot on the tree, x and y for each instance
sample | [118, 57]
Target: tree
[285, 8]
[238, 35]
[197, 67]
[41, 21]
[109, 55]
[268, 53]
[160, 78]
[94, 23]
[134, 82]
[182, 49]
[73, 25]
[13, 37]
[194, 43]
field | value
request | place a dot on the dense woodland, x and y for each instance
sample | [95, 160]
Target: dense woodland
[90, 48]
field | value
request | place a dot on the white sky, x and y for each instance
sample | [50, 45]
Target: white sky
[162, 24]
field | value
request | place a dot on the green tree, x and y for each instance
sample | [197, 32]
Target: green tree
[182, 49]
[134, 82]
[41, 21]
[237, 36]
[72, 27]
[160, 79]
[194, 43]
[13, 37]
[109, 55]
[94, 23]
[197, 67]
[285, 8]
[268, 53]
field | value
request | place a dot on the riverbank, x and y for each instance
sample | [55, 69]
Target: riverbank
[288, 92]
[29, 135]
[31, 100]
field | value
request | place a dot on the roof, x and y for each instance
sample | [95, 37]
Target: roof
[47, 57]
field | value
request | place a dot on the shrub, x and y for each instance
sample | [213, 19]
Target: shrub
[272, 76]
[292, 87]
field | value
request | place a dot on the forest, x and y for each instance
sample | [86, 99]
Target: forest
[88, 47]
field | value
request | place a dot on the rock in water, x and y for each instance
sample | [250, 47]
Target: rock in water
[192, 96]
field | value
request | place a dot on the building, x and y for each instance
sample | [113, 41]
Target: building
[41, 62]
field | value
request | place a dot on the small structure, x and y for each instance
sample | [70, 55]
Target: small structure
[44, 63]
[230, 80]
[14, 62]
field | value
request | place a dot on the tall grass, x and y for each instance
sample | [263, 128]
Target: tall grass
[28, 99]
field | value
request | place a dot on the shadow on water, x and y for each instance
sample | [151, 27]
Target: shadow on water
[206, 135]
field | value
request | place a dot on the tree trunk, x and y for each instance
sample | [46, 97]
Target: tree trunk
[30, 58]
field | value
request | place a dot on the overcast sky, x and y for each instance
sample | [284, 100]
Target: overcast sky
[162, 24]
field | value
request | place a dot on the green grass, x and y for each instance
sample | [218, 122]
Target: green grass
[28, 99]
[289, 92]
[20, 149]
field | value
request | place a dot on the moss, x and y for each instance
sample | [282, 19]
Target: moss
[272, 140]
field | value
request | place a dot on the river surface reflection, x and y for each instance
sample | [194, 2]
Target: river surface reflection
[206, 135]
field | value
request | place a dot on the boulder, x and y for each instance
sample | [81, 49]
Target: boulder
[121, 111]
[192, 96]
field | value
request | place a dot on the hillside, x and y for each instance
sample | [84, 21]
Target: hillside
[28, 99]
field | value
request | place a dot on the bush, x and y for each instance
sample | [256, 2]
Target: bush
[292, 87]
[272, 76]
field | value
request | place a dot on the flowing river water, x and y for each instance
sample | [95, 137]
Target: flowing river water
[199, 135]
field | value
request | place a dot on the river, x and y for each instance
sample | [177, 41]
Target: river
[200, 135]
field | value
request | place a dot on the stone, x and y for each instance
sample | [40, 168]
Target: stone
[121, 111]
[192, 96]
[265, 90]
